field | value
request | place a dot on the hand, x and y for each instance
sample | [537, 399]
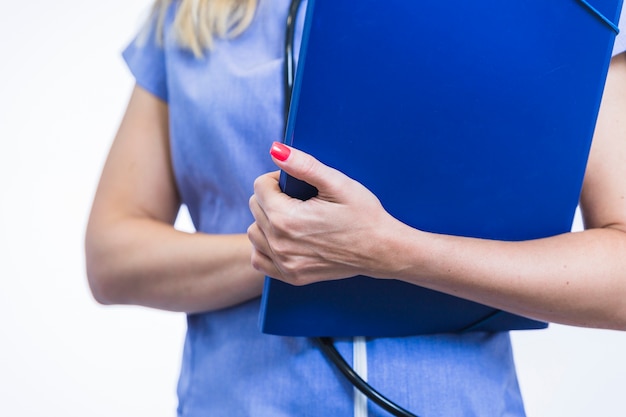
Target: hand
[336, 234]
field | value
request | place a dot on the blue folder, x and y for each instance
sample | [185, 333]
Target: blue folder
[489, 107]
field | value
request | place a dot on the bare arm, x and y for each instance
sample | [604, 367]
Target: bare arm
[574, 278]
[134, 254]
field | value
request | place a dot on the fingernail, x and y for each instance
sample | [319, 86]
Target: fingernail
[280, 151]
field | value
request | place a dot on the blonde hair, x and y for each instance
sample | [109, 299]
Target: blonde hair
[199, 22]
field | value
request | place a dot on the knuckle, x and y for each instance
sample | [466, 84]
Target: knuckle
[309, 166]
[250, 232]
[256, 264]
[257, 182]
[293, 272]
[282, 250]
[280, 227]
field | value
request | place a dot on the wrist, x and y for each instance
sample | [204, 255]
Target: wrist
[399, 250]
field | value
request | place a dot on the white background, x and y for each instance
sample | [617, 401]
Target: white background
[63, 87]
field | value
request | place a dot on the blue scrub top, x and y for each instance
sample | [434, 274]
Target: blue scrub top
[225, 111]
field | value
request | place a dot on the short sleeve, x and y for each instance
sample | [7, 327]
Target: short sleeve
[145, 58]
[620, 40]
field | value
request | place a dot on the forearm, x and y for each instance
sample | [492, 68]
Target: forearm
[146, 262]
[575, 278]
[134, 255]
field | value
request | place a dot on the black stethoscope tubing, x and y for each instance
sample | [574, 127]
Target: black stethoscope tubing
[326, 343]
[290, 55]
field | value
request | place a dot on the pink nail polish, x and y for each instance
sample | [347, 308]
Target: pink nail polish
[280, 151]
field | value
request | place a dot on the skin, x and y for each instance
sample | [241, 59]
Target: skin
[574, 278]
[133, 253]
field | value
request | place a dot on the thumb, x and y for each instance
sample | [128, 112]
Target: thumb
[305, 167]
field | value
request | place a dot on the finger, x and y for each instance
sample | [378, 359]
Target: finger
[267, 192]
[258, 240]
[262, 263]
[259, 259]
[257, 211]
[267, 199]
[306, 168]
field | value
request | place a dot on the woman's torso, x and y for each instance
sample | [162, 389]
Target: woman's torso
[225, 111]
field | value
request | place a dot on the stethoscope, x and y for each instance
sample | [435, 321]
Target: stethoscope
[326, 343]
[289, 63]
